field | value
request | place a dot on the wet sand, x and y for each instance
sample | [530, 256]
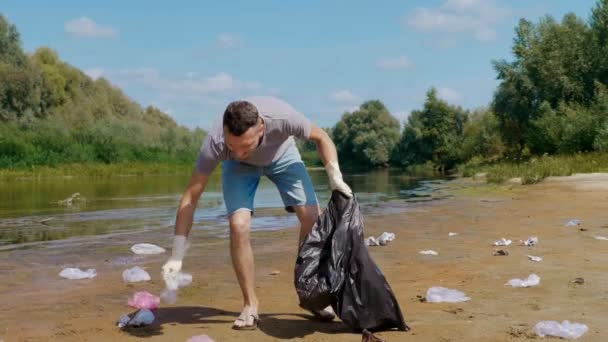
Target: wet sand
[37, 305]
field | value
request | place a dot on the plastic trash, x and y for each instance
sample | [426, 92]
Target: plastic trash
[500, 252]
[385, 238]
[450, 234]
[144, 300]
[532, 241]
[573, 223]
[532, 280]
[147, 248]
[601, 238]
[77, 273]
[135, 274]
[438, 294]
[200, 338]
[429, 252]
[173, 282]
[534, 258]
[123, 321]
[502, 242]
[372, 241]
[142, 317]
[565, 329]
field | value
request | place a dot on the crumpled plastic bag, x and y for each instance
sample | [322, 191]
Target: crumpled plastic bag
[502, 242]
[142, 317]
[601, 238]
[372, 241]
[438, 294]
[385, 238]
[565, 329]
[534, 258]
[144, 300]
[173, 282]
[147, 248]
[573, 223]
[428, 252]
[532, 280]
[450, 234]
[200, 338]
[135, 274]
[532, 241]
[77, 273]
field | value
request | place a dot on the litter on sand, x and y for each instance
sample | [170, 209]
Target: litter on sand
[438, 294]
[141, 318]
[77, 273]
[532, 280]
[573, 223]
[147, 248]
[135, 274]
[502, 242]
[534, 258]
[429, 252]
[200, 338]
[601, 238]
[500, 252]
[450, 234]
[532, 241]
[565, 329]
[382, 240]
[144, 300]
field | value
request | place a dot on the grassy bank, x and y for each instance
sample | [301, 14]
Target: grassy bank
[536, 169]
[96, 170]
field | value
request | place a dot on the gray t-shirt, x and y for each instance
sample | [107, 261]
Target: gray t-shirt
[281, 124]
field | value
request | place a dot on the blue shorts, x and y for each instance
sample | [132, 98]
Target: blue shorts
[240, 182]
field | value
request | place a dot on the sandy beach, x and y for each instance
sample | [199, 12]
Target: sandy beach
[37, 305]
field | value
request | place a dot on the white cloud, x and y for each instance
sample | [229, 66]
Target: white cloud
[402, 115]
[94, 73]
[85, 27]
[226, 40]
[450, 95]
[343, 96]
[475, 17]
[399, 62]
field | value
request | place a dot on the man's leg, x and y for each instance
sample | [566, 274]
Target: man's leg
[239, 182]
[307, 215]
[242, 261]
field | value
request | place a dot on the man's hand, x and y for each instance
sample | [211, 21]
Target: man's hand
[174, 264]
[335, 178]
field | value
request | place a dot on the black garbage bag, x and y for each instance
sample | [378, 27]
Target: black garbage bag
[334, 268]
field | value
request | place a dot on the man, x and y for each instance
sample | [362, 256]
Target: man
[256, 138]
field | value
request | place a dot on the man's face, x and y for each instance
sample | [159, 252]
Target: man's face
[243, 145]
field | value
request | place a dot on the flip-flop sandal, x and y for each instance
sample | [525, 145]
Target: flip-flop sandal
[252, 326]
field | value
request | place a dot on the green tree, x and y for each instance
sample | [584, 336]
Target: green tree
[365, 137]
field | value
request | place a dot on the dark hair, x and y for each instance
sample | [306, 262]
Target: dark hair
[240, 116]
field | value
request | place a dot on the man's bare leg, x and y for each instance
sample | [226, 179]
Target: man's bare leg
[242, 261]
[308, 215]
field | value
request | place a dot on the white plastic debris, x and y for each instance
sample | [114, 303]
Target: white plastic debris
[532, 241]
[135, 274]
[532, 280]
[200, 338]
[385, 238]
[565, 329]
[534, 258]
[173, 282]
[371, 241]
[147, 248]
[502, 242]
[77, 273]
[573, 223]
[428, 252]
[123, 321]
[450, 234]
[438, 294]
[601, 238]
[142, 317]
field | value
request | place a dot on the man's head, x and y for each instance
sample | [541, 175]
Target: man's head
[243, 128]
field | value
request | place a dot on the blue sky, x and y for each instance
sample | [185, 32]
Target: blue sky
[190, 58]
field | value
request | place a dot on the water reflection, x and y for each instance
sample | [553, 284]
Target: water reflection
[29, 210]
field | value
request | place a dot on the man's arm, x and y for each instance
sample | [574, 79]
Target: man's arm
[329, 156]
[187, 205]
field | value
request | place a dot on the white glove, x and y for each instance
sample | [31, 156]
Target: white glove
[335, 178]
[174, 264]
